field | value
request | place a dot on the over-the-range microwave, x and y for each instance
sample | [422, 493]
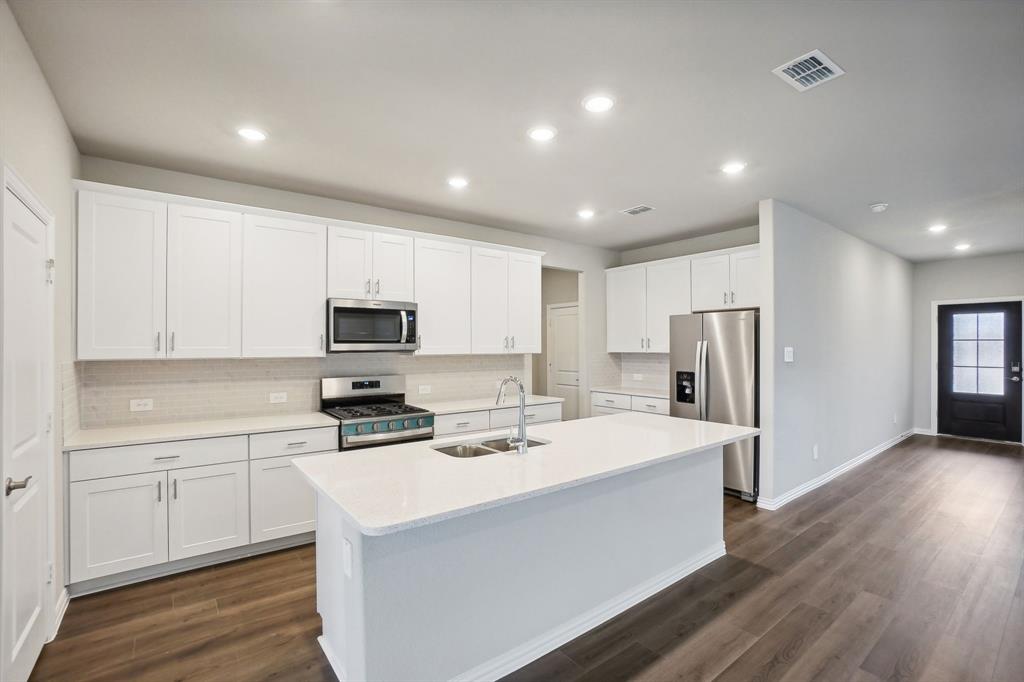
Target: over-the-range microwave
[360, 325]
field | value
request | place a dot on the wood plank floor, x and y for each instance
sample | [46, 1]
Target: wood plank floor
[910, 567]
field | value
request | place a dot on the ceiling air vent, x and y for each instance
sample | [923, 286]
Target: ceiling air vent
[637, 210]
[806, 72]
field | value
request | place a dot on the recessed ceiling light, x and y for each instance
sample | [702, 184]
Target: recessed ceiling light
[542, 133]
[962, 246]
[937, 228]
[585, 213]
[734, 167]
[598, 104]
[458, 182]
[252, 134]
[879, 207]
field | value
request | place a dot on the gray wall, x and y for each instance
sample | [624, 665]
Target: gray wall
[845, 307]
[557, 286]
[36, 143]
[742, 236]
[955, 279]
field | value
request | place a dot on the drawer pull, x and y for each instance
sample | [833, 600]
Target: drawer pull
[530, 416]
[650, 406]
[298, 443]
[166, 458]
[175, 488]
[609, 400]
[159, 491]
[462, 424]
[283, 466]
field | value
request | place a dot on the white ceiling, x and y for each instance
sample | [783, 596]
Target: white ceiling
[380, 102]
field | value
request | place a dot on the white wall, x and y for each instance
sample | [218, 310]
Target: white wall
[742, 236]
[845, 307]
[36, 143]
[955, 279]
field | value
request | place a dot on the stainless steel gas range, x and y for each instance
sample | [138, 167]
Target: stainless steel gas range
[372, 411]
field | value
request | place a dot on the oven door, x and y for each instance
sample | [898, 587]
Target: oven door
[357, 325]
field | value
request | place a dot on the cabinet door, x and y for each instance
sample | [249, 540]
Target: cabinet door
[204, 282]
[284, 289]
[489, 300]
[668, 293]
[122, 279]
[349, 262]
[117, 524]
[282, 500]
[443, 298]
[524, 306]
[392, 267]
[208, 509]
[745, 277]
[709, 283]
[624, 291]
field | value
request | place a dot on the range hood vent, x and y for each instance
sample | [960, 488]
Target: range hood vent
[637, 210]
[809, 71]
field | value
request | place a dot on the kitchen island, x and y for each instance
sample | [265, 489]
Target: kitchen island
[434, 567]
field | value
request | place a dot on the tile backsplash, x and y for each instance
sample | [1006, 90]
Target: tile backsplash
[651, 368]
[97, 394]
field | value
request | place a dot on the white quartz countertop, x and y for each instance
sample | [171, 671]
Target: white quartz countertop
[388, 489]
[477, 404]
[643, 391]
[156, 433]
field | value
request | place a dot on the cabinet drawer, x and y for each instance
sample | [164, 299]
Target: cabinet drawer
[535, 414]
[653, 405]
[298, 442]
[615, 400]
[599, 410]
[84, 465]
[461, 422]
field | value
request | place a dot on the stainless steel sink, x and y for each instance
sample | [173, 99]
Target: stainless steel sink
[501, 444]
[480, 448]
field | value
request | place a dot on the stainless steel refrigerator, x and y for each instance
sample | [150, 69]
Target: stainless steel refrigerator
[714, 377]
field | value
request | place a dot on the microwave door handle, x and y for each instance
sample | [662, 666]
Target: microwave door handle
[405, 325]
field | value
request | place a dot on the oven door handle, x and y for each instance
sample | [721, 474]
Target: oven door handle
[390, 435]
[405, 325]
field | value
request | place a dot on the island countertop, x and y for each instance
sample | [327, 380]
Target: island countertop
[392, 488]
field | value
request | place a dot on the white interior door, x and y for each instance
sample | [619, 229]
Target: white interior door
[349, 262]
[122, 277]
[745, 278]
[524, 303]
[392, 267]
[563, 353]
[625, 291]
[489, 300]
[204, 282]
[668, 293]
[27, 399]
[443, 297]
[208, 509]
[709, 283]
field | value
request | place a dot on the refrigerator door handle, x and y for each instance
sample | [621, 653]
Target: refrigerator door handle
[704, 380]
[698, 381]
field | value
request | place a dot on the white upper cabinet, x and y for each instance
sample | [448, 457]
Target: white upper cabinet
[667, 294]
[392, 267]
[204, 282]
[524, 303]
[365, 264]
[745, 278]
[729, 280]
[284, 288]
[349, 262]
[625, 292]
[490, 300]
[122, 257]
[443, 297]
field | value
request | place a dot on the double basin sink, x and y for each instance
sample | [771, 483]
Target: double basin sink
[484, 447]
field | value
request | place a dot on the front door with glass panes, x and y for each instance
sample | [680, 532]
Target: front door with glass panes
[979, 370]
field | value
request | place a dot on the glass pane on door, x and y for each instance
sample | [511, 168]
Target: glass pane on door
[978, 353]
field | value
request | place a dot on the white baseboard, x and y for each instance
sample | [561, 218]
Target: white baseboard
[339, 670]
[497, 668]
[773, 503]
[918, 431]
[60, 609]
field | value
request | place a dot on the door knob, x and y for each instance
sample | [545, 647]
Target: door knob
[1017, 379]
[10, 485]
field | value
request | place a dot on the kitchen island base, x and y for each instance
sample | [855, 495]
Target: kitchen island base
[478, 596]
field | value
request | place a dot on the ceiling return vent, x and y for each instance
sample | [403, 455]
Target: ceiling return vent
[811, 70]
[637, 210]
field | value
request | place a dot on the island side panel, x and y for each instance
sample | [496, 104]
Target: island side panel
[478, 596]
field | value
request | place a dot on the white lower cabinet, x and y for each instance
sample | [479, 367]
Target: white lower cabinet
[208, 509]
[117, 524]
[282, 501]
[618, 403]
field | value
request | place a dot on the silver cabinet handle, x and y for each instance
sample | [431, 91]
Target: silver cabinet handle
[166, 457]
[650, 406]
[298, 443]
[172, 342]
[283, 466]
[513, 342]
[10, 485]
[321, 342]
[648, 343]
[158, 340]
[175, 486]
[733, 294]
[367, 287]
[725, 297]
[641, 343]
[159, 491]
[609, 400]
[530, 416]
[506, 343]
[462, 424]
[377, 287]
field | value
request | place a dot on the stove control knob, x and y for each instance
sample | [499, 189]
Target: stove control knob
[422, 421]
[363, 428]
[411, 423]
[377, 426]
[396, 425]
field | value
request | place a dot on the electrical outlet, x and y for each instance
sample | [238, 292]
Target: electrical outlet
[895, 418]
[787, 354]
[425, 389]
[141, 405]
[279, 397]
[638, 377]
[814, 452]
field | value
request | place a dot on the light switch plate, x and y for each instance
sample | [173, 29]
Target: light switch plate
[787, 354]
[279, 397]
[141, 405]
[425, 389]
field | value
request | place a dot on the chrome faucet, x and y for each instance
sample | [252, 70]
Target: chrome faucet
[520, 440]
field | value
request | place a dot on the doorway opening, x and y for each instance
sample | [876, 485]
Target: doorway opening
[978, 370]
[556, 370]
